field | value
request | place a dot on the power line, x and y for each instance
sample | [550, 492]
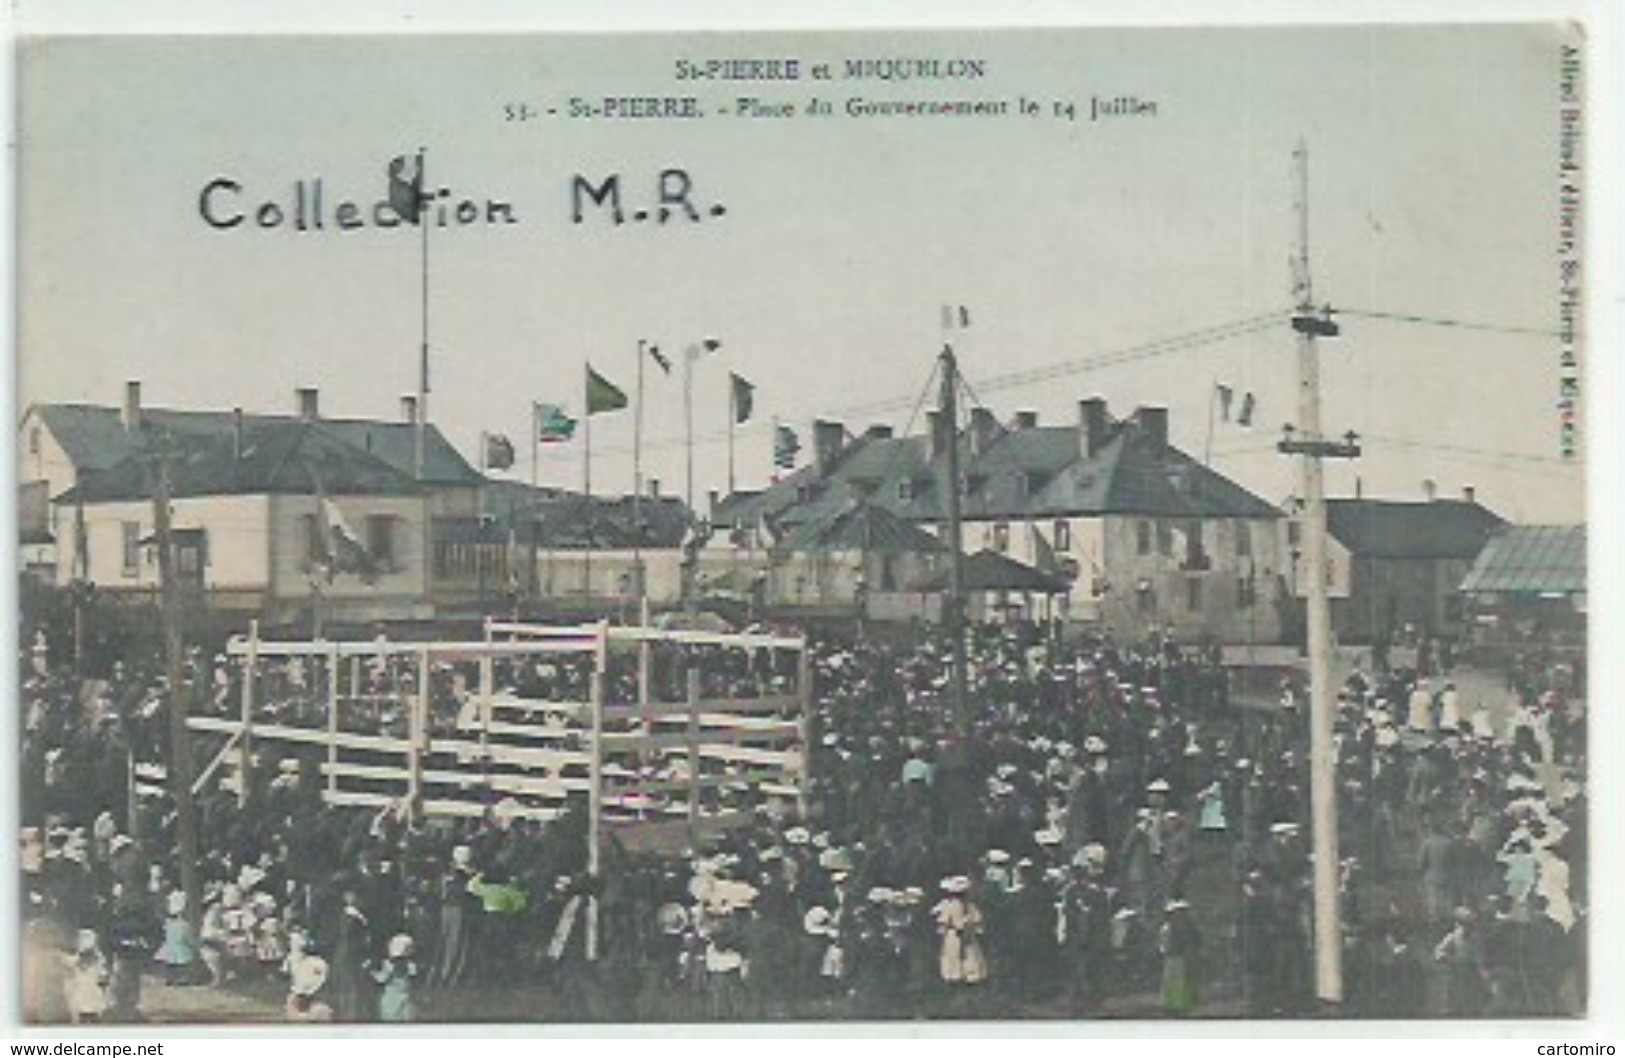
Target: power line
[1170, 346]
[1442, 321]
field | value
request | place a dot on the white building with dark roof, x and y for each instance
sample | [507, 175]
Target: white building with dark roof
[1139, 534]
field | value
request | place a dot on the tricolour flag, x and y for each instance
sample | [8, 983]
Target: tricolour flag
[553, 426]
[955, 317]
[744, 397]
[406, 196]
[1225, 395]
[602, 394]
[498, 452]
[786, 446]
[659, 358]
[345, 551]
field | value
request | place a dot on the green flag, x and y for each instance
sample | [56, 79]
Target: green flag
[602, 394]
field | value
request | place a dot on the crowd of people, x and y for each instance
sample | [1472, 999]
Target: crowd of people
[1096, 829]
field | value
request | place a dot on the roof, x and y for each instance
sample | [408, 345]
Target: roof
[990, 571]
[570, 520]
[94, 437]
[1531, 560]
[284, 457]
[862, 527]
[1010, 474]
[1431, 529]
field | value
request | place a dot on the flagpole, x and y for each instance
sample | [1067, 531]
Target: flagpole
[535, 446]
[637, 479]
[733, 417]
[423, 359]
[586, 575]
[1212, 399]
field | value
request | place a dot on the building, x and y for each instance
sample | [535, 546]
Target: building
[1140, 534]
[1528, 586]
[59, 444]
[282, 521]
[1393, 566]
[560, 551]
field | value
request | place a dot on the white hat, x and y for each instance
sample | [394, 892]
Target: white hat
[816, 921]
[1094, 744]
[797, 835]
[1283, 827]
[1048, 837]
[1176, 905]
[997, 856]
[956, 884]
[176, 902]
[400, 946]
[86, 941]
[1158, 786]
[880, 894]
[462, 855]
[308, 975]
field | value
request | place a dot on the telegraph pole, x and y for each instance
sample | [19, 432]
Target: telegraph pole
[179, 772]
[953, 616]
[1307, 443]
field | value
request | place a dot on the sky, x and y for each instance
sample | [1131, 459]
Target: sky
[1433, 192]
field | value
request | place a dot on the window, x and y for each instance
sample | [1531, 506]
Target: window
[315, 546]
[1195, 556]
[1294, 532]
[1244, 540]
[192, 555]
[1143, 532]
[1165, 537]
[975, 484]
[905, 489]
[1193, 594]
[1063, 535]
[1246, 593]
[34, 441]
[1146, 597]
[132, 548]
[1001, 536]
[381, 539]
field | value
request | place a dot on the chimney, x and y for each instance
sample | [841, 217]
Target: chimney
[1092, 425]
[828, 440]
[1026, 420]
[1430, 490]
[409, 409]
[877, 432]
[933, 435]
[308, 407]
[1469, 494]
[715, 498]
[1154, 427]
[984, 430]
[236, 434]
[654, 488]
[131, 416]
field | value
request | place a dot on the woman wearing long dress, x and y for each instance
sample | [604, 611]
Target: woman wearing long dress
[961, 959]
[1179, 943]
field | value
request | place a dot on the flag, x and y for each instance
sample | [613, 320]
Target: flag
[406, 196]
[744, 395]
[602, 394]
[786, 446]
[345, 551]
[660, 358]
[498, 452]
[1225, 395]
[553, 426]
[1044, 558]
[955, 317]
[1248, 405]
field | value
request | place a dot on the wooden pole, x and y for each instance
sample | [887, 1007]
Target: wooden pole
[693, 743]
[333, 718]
[595, 792]
[245, 736]
[804, 694]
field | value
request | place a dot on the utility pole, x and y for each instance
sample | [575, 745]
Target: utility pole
[180, 737]
[953, 607]
[1307, 443]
